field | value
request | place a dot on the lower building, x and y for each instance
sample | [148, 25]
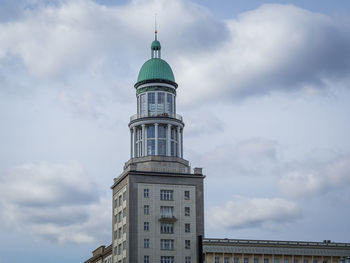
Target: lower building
[258, 251]
[266, 251]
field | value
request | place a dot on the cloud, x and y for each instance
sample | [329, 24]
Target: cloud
[57, 203]
[316, 178]
[275, 48]
[252, 156]
[245, 212]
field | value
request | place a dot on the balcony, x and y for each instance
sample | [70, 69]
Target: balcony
[160, 115]
[167, 218]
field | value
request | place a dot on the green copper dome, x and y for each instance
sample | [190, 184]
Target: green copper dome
[155, 68]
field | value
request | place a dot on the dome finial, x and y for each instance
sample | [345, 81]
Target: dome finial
[155, 26]
[155, 47]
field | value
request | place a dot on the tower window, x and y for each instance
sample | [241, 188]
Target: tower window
[143, 106]
[151, 104]
[187, 228]
[167, 228]
[187, 244]
[169, 104]
[160, 103]
[167, 211]
[167, 195]
[167, 244]
[145, 259]
[236, 260]
[146, 210]
[187, 259]
[146, 243]
[266, 260]
[226, 260]
[187, 195]
[166, 259]
[146, 193]
[146, 226]
[187, 211]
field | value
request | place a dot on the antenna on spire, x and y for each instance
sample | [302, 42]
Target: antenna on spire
[155, 26]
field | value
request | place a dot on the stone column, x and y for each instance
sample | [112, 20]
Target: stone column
[168, 140]
[178, 141]
[131, 148]
[143, 140]
[134, 142]
[156, 138]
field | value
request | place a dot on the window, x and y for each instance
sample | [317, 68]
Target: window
[160, 103]
[146, 193]
[146, 210]
[276, 260]
[145, 259]
[166, 259]
[217, 260]
[187, 195]
[167, 195]
[187, 244]
[146, 243]
[187, 259]
[119, 249]
[146, 226]
[286, 260]
[246, 260]
[124, 260]
[124, 245]
[151, 104]
[115, 251]
[167, 211]
[295, 260]
[120, 200]
[124, 196]
[226, 260]
[306, 261]
[315, 261]
[124, 212]
[173, 141]
[119, 232]
[235, 260]
[256, 260]
[169, 104]
[151, 150]
[167, 244]
[115, 234]
[187, 228]
[161, 140]
[143, 105]
[187, 211]
[266, 260]
[167, 228]
[120, 216]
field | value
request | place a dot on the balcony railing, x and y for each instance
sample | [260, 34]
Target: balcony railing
[167, 218]
[160, 115]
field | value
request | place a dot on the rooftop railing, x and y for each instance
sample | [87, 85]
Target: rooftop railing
[160, 115]
[274, 242]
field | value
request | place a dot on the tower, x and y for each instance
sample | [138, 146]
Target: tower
[158, 212]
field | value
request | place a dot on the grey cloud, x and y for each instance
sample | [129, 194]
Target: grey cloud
[245, 212]
[316, 178]
[53, 200]
[273, 48]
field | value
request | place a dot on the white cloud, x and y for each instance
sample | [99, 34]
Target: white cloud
[54, 202]
[310, 179]
[245, 212]
[253, 156]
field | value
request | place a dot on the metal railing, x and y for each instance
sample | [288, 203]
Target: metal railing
[273, 242]
[160, 115]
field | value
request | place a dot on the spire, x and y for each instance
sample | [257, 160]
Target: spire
[155, 47]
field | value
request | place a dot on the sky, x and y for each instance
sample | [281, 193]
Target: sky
[263, 89]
